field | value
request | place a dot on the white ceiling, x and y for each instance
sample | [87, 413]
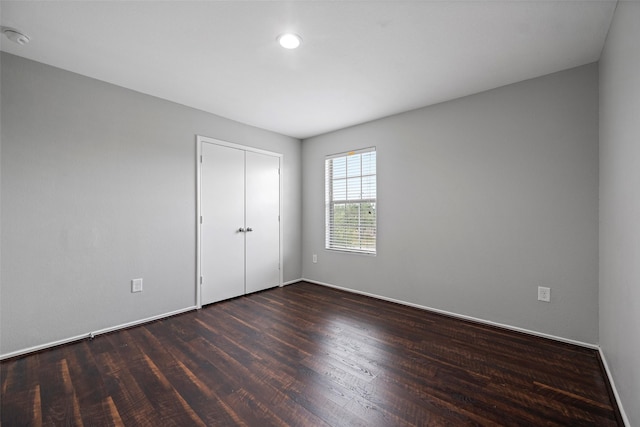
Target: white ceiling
[360, 60]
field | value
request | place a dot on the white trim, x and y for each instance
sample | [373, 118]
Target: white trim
[331, 240]
[608, 373]
[94, 333]
[460, 316]
[198, 223]
[204, 139]
[209, 140]
[350, 152]
[281, 224]
[623, 414]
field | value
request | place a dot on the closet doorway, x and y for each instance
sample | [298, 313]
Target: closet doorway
[239, 221]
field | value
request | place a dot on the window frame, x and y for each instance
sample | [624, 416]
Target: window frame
[331, 243]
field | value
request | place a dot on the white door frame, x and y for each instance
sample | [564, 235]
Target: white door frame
[207, 140]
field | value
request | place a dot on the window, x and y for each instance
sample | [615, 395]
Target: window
[350, 198]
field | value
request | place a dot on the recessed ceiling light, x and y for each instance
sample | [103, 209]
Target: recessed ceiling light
[15, 35]
[289, 40]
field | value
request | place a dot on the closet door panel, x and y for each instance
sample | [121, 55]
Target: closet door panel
[262, 217]
[222, 208]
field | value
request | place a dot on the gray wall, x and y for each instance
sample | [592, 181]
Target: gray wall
[620, 205]
[481, 200]
[98, 188]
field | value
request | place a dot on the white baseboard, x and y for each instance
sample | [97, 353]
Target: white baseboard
[93, 334]
[623, 414]
[625, 419]
[460, 316]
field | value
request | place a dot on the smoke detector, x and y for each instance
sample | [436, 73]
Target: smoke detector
[15, 35]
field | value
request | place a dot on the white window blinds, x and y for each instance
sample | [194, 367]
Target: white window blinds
[350, 200]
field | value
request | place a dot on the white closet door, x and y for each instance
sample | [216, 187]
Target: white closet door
[222, 208]
[262, 217]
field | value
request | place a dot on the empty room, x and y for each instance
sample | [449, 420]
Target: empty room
[320, 213]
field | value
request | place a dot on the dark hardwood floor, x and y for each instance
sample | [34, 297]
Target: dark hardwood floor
[306, 355]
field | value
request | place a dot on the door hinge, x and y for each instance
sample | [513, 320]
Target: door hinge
[200, 159]
[201, 280]
[200, 219]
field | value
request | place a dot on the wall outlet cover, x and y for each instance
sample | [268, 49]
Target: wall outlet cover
[544, 294]
[136, 285]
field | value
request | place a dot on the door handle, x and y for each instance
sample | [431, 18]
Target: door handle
[241, 230]
[249, 229]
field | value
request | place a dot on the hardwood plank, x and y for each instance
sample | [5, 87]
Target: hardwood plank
[59, 405]
[194, 396]
[70, 393]
[307, 355]
[116, 420]
[129, 401]
[86, 384]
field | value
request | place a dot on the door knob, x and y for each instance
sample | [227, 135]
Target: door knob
[241, 230]
[249, 229]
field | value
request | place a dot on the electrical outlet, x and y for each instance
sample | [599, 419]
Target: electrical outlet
[544, 294]
[315, 258]
[136, 285]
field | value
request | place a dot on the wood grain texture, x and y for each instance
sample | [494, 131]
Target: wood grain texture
[306, 355]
